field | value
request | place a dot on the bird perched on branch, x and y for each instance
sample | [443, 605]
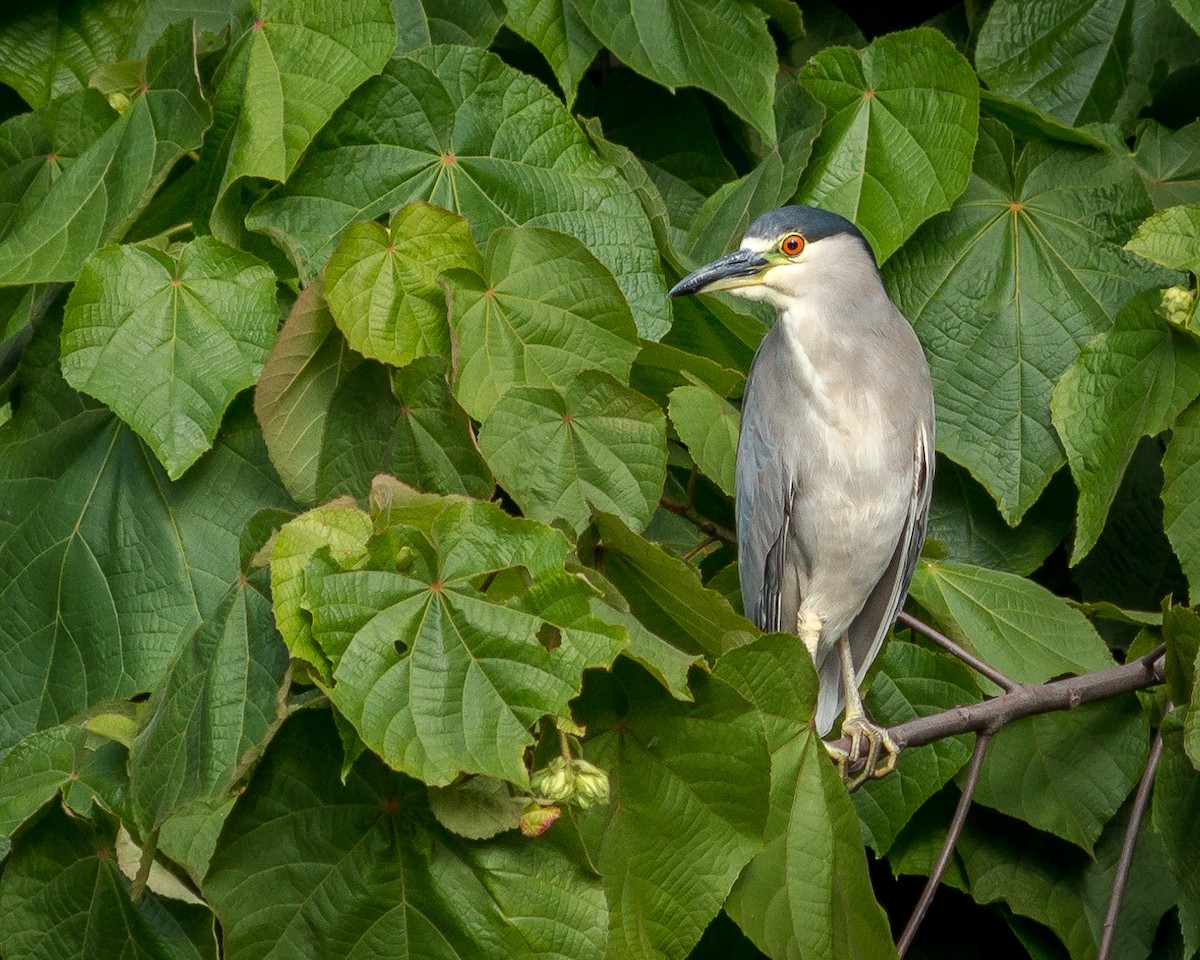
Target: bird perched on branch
[835, 457]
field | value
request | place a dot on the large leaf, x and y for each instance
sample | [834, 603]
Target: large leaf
[293, 64]
[807, 893]
[596, 445]
[1181, 507]
[1171, 237]
[195, 739]
[542, 310]
[1067, 773]
[436, 677]
[1075, 59]
[63, 895]
[708, 425]
[557, 29]
[1006, 288]
[299, 380]
[1169, 162]
[477, 137]
[1130, 382]
[900, 126]
[168, 343]
[106, 566]
[472, 23]
[722, 48]
[1017, 626]
[35, 770]
[101, 193]
[54, 48]
[692, 779]
[912, 682]
[309, 869]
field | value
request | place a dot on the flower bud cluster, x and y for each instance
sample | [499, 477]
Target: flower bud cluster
[571, 781]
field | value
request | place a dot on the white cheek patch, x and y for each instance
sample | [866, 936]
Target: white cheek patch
[757, 244]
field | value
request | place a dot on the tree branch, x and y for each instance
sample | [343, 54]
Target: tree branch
[943, 641]
[1136, 813]
[952, 835]
[698, 520]
[1025, 701]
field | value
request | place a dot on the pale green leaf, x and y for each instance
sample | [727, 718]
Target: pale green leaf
[1130, 382]
[1004, 291]
[368, 866]
[689, 778]
[900, 126]
[1181, 507]
[542, 310]
[1171, 237]
[472, 23]
[708, 426]
[722, 48]
[479, 138]
[1016, 625]
[168, 343]
[557, 29]
[596, 445]
[101, 193]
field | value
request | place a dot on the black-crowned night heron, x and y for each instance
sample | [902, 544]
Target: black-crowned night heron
[835, 457]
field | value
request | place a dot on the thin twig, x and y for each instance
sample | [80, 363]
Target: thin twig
[701, 546]
[698, 520]
[948, 845]
[972, 661]
[990, 715]
[1140, 800]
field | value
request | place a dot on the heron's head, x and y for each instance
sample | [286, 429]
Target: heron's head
[787, 254]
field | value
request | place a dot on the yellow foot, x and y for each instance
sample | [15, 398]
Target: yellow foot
[869, 744]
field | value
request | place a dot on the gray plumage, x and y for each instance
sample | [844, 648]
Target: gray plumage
[835, 457]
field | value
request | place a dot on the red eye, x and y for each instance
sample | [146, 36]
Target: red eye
[792, 244]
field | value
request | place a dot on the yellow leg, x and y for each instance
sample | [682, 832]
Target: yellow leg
[861, 731]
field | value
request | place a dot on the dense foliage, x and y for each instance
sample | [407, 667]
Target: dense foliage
[365, 578]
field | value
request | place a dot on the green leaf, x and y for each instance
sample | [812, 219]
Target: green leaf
[599, 446]
[1030, 123]
[167, 343]
[1074, 59]
[666, 594]
[195, 739]
[101, 193]
[900, 126]
[1068, 772]
[481, 139]
[1006, 288]
[1130, 382]
[106, 566]
[1017, 626]
[467, 22]
[63, 895]
[1190, 11]
[189, 836]
[411, 428]
[807, 893]
[557, 29]
[367, 865]
[708, 425]
[478, 809]
[36, 149]
[53, 48]
[292, 66]
[692, 779]
[35, 770]
[724, 49]
[1171, 237]
[382, 282]
[912, 682]
[343, 530]
[1169, 163]
[301, 376]
[1181, 509]
[965, 519]
[665, 662]
[437, 678]
[542, 310]
[1176, 795]
[660, 368]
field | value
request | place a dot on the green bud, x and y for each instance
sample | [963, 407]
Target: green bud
[591, 784]
[118, 101]
[556, 781]
[1177, 304]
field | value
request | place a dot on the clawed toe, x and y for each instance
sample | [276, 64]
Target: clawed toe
[870, 746]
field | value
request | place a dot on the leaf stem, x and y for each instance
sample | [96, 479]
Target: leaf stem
[1128, 844]
[956, 825]
[702, 523]
[972, 661]
[149, 849]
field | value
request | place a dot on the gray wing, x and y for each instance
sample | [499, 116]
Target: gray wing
[871, 626]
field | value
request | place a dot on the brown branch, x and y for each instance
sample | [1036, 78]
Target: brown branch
[943, 641]
[1025, 701]
[952, 835]
[1121, 877]
[698, 520]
